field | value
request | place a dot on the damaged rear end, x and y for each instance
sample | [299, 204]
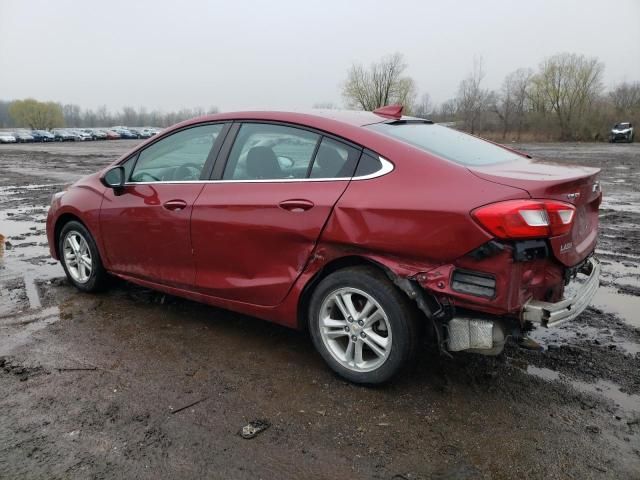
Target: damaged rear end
[538, 269]
[536, 263]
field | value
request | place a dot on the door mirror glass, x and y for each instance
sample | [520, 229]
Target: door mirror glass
[114, 178]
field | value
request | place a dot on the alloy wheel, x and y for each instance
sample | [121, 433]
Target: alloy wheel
[355, 329]
[77, 257]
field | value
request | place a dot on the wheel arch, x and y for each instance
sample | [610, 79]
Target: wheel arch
[327, 269]
[61, 221]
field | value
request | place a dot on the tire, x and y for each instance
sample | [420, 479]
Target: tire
[395, 324]
[91, 279]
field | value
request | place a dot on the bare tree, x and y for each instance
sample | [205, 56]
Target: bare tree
[447, 111]
[509, 104]
[103, 119]
[72, 115]
[383, 83]
[569, 84]
[626, 97]
[129, 116]
[424, 108]
[5, 119]
[472, 98]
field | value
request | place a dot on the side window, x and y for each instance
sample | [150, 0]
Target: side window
[334, 160]
[178, 157]
[264, 151]
[368, 164]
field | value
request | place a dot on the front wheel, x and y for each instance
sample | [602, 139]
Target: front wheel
[80, 258]
[362, 325]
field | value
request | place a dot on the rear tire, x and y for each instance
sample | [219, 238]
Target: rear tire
[80, 258]
[362, 325]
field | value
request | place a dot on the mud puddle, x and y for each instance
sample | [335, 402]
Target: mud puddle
[630, 404]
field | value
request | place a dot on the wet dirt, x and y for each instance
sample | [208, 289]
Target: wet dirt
[133, 383]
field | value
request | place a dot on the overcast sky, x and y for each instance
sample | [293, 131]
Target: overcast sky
[289, 54]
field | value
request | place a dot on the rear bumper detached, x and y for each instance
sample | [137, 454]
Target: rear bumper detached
[553, 314]
[487, 336]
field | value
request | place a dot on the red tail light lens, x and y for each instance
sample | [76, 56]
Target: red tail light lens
[526, 218]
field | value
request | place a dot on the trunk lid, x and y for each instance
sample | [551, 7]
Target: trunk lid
[576, 185]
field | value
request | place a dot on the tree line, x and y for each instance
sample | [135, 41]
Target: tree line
[563, 99]
[31, 113]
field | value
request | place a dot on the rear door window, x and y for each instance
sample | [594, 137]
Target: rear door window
[368, 165]
[265, 151]
[334, 160]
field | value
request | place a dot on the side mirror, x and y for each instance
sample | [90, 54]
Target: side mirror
[114, 178]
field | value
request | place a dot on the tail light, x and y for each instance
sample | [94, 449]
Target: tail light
[526, 218]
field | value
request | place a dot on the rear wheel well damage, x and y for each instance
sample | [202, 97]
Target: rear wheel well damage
[418, 297]
[326, 270]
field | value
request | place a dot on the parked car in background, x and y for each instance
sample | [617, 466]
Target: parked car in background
[91, 132]
[23, 136]
[42, 136]
[112, 135]
[62, 135]
[366, 229]
[621, 132]
[125, 132]
[98, 134]
[81, 134]
[6, 137]
[74, 135]
[141, 132]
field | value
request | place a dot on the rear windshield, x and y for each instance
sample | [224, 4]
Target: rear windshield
[447, 143]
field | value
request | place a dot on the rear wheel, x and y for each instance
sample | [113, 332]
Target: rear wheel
[362, 325]
[80, 258]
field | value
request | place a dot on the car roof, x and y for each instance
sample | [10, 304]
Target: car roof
[346, 124]
[356, 118]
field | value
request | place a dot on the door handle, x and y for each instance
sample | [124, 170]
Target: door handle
[297, 205]
[175, 205]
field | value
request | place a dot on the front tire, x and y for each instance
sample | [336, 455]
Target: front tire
[362, 325]
[80, 258]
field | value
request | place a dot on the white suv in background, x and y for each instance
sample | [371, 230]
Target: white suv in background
[621, 131]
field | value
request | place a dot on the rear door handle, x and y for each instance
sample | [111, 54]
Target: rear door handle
[296, 205]
[175, 205]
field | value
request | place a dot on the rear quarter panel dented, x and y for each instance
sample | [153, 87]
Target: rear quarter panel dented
[418, 214]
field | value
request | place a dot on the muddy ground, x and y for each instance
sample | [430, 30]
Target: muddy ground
[132, 383]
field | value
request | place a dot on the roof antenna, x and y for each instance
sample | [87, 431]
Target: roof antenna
[390, 111]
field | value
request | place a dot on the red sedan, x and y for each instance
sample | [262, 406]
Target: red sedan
[367, 229]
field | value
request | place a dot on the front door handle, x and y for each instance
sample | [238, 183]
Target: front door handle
[175, 205]
[296, 205]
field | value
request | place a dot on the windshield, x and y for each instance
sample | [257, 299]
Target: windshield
[621, 126]
[447, 143]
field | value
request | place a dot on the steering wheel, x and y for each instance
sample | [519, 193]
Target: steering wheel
[187, 171]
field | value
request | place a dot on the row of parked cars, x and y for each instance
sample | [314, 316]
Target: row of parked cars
[76, 134]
